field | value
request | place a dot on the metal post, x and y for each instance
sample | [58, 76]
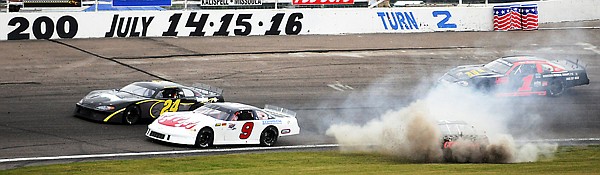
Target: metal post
[276, 1]
[7, 6]
[460, 2]
[486, 2]
[96, 8]
[185, 5]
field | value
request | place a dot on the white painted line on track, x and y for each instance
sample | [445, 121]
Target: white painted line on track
[163, 153]
[588, 46]
[235, 149]
[567, 28]
[340, 87]
[563, 140]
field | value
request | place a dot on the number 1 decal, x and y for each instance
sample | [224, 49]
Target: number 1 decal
[526, 83]
[246, 130]
[170, 106]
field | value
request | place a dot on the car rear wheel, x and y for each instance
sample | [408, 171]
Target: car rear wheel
[205, 138]
[448, 155]
[484, 87]
[269, 136]
[132, 115]
[556, 88]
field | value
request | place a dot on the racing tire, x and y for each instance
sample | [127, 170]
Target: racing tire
[205, 138]
[269, 136]
[556, 88]
[484, 87]
[447, 154]
[132, 115]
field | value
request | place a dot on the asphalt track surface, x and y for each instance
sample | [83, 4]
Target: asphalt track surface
[42, 80]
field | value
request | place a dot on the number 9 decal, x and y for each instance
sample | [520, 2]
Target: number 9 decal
[246, 130]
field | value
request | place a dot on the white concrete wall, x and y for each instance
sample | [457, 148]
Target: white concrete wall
[274, 22]
[568, 10]
[242, 22]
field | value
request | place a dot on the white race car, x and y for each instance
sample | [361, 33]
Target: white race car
[225, 124]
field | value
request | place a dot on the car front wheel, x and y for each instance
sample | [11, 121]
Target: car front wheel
[132, 115]
[205, 138]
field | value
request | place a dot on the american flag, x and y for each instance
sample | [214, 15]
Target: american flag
[530, 17]
[515, 17]
[502, 18]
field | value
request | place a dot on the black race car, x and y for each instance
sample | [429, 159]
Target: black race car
[519, 76]
[144, 100]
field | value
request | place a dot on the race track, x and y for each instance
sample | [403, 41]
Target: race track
[323, 78]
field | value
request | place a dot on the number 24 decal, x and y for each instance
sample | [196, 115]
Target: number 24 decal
[170, 106]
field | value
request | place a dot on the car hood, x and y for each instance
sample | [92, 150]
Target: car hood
[108, 97]
[185, 120]
[463, 73]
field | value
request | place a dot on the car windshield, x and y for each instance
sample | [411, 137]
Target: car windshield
[214, 111]
[457, 129]
[498, 66]
[138, 90]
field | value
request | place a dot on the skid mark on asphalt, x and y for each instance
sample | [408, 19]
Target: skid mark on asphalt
[20, 83]
[110, 59]
[298, 52]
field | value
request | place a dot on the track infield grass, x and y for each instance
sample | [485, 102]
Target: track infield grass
[567, 160]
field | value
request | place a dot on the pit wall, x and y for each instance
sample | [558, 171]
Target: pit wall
[19, 26]
[552, 11]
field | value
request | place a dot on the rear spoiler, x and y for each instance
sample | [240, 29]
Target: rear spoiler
[279, 111]
[573, 64]
[207, 89]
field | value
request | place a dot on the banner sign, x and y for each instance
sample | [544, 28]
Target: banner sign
[229, 2]
[18, 26]
[321, 2]
[52, 3]
[139, 3]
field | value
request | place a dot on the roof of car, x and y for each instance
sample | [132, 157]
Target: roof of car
[444, 122]
[513, 59]
[157, 84]
[234, 106]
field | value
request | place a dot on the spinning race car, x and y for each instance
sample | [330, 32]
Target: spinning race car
[519, 76]
[144, 100]
[225, 124]
[462, 133]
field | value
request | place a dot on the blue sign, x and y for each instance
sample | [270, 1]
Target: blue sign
[141, 3]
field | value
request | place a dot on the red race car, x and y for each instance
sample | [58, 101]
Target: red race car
[519, 76]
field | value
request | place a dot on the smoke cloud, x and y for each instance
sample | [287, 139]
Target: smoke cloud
[411, 132]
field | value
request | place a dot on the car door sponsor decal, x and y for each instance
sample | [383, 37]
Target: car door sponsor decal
[271, 122]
